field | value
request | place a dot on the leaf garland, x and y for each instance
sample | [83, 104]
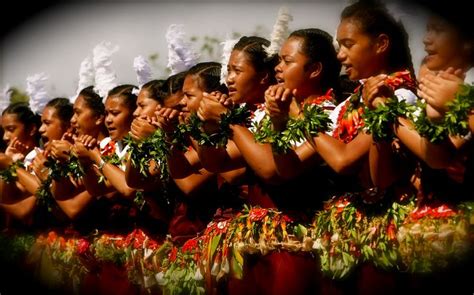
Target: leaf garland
[455, 120]
[314, 120]
[379, 121]
[57, 170]
[235, 116]
[9, 175]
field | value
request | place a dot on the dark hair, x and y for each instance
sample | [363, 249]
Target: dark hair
[374, 19]
[318, 47]
[155, 89]
[209, 76]
[254, 47]
[93, 100]
[174, 83]
[23, 114]
[126, 93]
[63, 107]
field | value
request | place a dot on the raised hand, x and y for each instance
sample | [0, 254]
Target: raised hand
[167, 119]
[16, 150]
[375, 91]
[439, 89]
[37, 165]
[60, 149]
[141, 128]
[213, 105]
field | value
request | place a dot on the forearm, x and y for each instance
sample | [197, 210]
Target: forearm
[62, 188]
[22, 209]
[73, 206]
[116, 177]
[293, 163]
[437, 156]
[28, 180]
[258, 156]
[191, 185]
[341, 157]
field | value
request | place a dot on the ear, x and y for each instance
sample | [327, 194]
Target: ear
[382, 42]
[264, 79]
[100, 120]
[315, 70]
[33, 130]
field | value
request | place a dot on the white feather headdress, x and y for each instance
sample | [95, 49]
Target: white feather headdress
[181, 56]
[334, 41]
[86, 76]
[5, 97]
[227, 47]
[36, 90]
[105, 78]
[280, 31]
[143, 70]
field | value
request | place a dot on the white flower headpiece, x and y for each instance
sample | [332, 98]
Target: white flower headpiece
[5, 97]
[86, 77]
[181, 56]
[227, 47]
[280, 31]
[36, 90]
[143, 70]
[105, 78]
[334, 41]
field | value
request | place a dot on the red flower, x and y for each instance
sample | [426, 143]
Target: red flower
[173, 254]
[82, 246]
[400, 79]
[257, 214]
[190, 245]
[328, 96]
[109, 149]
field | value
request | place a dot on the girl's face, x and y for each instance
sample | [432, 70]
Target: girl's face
[292, 71]
[84, 121]
[12, 128]
[51, 126]
[245, 84]
[118, 117]
[444, 46]
[146, 106]
[192, 94]
[357, 51]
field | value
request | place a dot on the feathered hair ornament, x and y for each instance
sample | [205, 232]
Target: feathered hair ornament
[86, 76]
[36, 90]
[181, 56]
[280, 31]
[334, 41]
[5, 97]
[105, 78]
[143, 70]
[227, 47]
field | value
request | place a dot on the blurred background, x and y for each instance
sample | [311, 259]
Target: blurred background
[54, 37]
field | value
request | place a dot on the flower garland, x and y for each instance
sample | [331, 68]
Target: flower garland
[431, 236]
[180, 274]
[346, 233]
[237, 115]
[455, 120]
[9, 175]
[350, 117]
[314, 120]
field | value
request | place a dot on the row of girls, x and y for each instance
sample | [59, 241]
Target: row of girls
[220, 164]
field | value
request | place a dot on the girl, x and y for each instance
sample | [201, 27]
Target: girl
[21, 135]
